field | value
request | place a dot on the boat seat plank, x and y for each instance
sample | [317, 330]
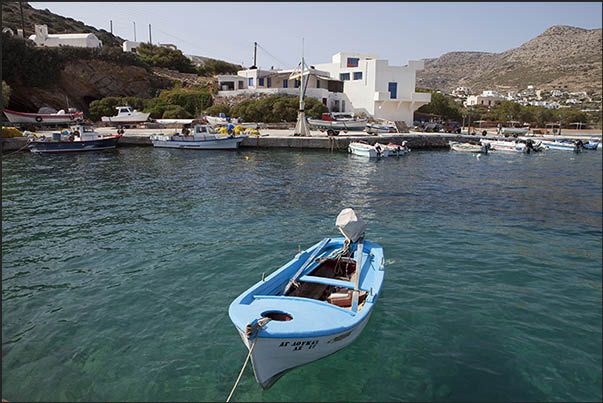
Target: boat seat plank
[327, 281]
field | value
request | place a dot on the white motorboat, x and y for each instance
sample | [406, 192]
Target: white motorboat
[202, 138]
[563, 145]
[335, 122]
[377, 150]
[126, 115]
[506, 145]
[468, 147]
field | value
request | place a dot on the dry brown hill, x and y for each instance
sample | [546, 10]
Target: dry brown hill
[562, 57]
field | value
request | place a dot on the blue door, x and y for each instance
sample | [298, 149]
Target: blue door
[393, 90]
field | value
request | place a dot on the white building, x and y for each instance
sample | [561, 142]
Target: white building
[43, 38]
[352, 82]
[130, 46]
[283, 82]
[461, 92]
[376, 88]
[487, 98]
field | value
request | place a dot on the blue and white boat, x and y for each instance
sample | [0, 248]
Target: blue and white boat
[592, 145]
[79, 138]
[314, 305]
[564, 145]
[202, 138]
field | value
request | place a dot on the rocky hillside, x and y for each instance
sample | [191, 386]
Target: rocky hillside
[563, 57]
[11, 18]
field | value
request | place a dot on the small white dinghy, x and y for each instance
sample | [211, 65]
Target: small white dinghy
[314, 305]
[377, 150]
[469, 147]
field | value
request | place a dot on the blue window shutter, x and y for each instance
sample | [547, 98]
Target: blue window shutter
[393, 90]
[251, 81]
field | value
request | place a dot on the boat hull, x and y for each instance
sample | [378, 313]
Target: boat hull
[273, 357]
[507, 146]
[314, 317]
[231, 143]
[561, 146]
[514, 130]
[352, 125]
[143, 117]
[55, 147]
[373, 128]
[42, 118]
[469, 148]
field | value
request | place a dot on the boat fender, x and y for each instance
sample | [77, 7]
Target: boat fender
[76, 132]
[38, 118]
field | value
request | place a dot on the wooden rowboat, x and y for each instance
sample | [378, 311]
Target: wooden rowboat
[314, 305]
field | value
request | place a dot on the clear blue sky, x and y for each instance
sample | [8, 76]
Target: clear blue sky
[397, 32]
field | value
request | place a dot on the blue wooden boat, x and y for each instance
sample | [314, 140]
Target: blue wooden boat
[80, 138]
[564, 145]
[314, 305]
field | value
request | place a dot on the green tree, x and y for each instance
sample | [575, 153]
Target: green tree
[444, 106]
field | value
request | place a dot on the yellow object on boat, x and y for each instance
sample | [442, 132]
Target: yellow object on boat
[8, 132]
[223, 130]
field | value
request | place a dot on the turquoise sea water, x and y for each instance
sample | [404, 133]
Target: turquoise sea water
[118, 269]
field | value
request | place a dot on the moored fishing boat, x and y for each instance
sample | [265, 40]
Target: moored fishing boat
[60, 117]
[314, 305]
[469, 147]
[564, 145]
[364, 149]
[510, 146]
[80, 138]
[202, 138]
[335, 122]
[391, 149]
[592, 145]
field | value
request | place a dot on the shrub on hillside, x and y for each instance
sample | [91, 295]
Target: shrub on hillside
[5, 93]
[213, 67]
[215, 110]
[160, 56]
[176, 112]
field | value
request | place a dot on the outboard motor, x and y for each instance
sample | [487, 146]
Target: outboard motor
[350, 225]
[579, 146]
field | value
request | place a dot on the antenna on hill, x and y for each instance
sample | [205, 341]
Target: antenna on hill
[134, 22]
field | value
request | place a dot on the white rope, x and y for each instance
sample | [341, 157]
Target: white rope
[259, 324]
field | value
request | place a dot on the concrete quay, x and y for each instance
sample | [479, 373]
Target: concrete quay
[283, 138]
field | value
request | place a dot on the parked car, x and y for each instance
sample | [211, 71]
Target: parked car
[452, 127]
[433, 128]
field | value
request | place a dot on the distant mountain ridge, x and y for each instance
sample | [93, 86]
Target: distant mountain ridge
[562, 57]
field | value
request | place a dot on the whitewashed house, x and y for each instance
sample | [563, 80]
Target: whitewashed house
[486, 98]
[251, 81]
[43, 38]
[374, 87]
[352, 82]
[130, 46]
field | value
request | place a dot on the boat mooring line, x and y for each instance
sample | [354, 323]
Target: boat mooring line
[20, 149]
[259, 325]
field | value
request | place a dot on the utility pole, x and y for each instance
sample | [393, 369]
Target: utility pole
[22, 20]
[134, 22]
[255, 52]
[150, 41]
[111, 26]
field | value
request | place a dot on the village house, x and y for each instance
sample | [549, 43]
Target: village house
[359, 83]
[487, 98]
[43, 38]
